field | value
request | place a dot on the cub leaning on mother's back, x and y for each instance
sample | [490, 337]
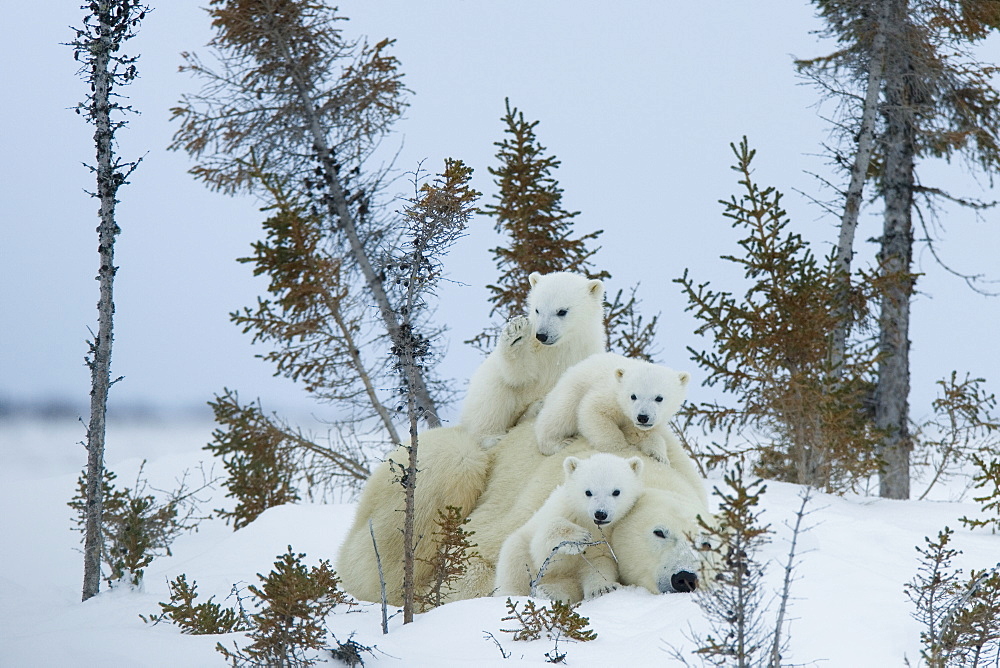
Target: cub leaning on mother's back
[565, 324]
[618, 405]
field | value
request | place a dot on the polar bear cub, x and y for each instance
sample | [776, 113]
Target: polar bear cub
[596, 492]
[615, 403]
[565, 324]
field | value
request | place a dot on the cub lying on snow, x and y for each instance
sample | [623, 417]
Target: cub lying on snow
[596, 492]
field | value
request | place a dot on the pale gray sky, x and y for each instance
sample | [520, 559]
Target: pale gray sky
[639, 103]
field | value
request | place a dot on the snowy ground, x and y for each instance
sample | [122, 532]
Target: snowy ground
[849, 608]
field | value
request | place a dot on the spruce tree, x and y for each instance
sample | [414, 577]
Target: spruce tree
[529, 212]
[914, 61]
[291, 112]
[433, 220]
[539, 236]
[769, 352]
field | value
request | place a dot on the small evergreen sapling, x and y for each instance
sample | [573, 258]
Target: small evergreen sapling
[805, 419]
[734, 603]
[256, 457]
[528, 211]
[561, 620]
[205, 618]
[961, 620]
[138, 527]
[733, 600]
[539, 237]
[449, 563]
[288, 631]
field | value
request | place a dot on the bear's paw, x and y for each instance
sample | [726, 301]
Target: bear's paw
[516, 331]
[600, 591]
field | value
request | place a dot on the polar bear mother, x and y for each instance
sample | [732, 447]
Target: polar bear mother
[503, 487]
[565, 324]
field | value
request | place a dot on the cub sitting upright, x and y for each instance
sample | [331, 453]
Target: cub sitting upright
[565, 324]
[596, 492]
[615, 403]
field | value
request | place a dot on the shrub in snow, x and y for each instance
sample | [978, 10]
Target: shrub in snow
[137, 527]
[961, 619]
[289, 630]
[560, 622]
[207, 618]
[449, 563]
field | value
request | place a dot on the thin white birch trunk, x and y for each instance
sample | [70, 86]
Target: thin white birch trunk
[855, 190]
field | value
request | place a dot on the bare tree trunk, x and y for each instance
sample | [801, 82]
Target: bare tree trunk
[99, 359]
[852, 203]
[354, 353]
[409, 508]
[895, 257]
[339, 210]
[409, 361]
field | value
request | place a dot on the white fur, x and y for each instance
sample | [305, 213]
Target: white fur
[521, 478]
[452, 471]
[614, 402]
[505, 486]
[597, 491]
[565, 324]
[653, 542]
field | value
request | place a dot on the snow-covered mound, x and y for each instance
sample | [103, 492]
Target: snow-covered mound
[848, 606]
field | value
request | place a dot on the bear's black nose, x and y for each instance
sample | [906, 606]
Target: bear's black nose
[642, 418]
[600, 516]
[541, 336]
[684, 581]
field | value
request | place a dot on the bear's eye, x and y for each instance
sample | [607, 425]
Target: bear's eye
[659, 399]
[659, 533]
[706, 546]
[633, 397]
[617, 492]
[589, 493]
[536, 311]
[561, 312]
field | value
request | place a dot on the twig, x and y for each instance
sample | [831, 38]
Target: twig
[548, 560]
[505, 654]
[776, 645]
[381, 580]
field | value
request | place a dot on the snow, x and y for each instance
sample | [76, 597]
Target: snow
[848, 607]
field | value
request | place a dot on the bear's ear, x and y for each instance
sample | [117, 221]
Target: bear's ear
[635, 464]
[596, 289]
[570, 464]
[684, 377]
[619, 374]
[533, 278]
